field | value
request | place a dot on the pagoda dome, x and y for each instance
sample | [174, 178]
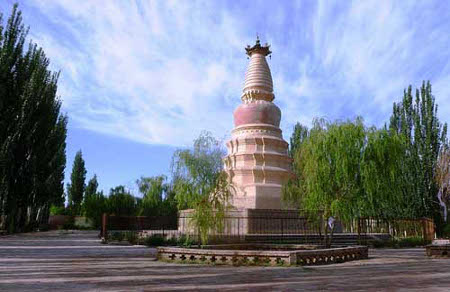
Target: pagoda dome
[259, 112]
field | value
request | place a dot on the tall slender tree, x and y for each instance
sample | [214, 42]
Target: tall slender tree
[417, 120]
[299, 135]
[92, 186]
[77, 183]
[32, 131]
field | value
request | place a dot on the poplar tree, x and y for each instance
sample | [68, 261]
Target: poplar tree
[299, 135]
[77, 184]
[417, 121]
[91, 188]
[32, 131]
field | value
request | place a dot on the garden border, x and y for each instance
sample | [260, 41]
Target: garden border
[262, 257]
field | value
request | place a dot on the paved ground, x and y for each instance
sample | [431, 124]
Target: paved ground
[56, 261]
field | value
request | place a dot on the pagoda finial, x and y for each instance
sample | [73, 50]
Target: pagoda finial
[257, 48]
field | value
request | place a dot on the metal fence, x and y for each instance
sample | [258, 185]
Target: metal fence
[282, 229]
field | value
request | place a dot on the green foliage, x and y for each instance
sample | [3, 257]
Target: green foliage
[185, 241]
[119, 236]
[442, 177]
[58, 210]
[77, 184]
[200, 184]
[348, 171]
[121, 203]
[404, 242]
[159, 240]
[94, 207]
[299, 135]
[131, 237]
[32, 131]
[417, 121]
[409, 242]
[381, 166]
[69, 224]
[154, 240]
[95, 203]
[158, 198]
[331, 158]
[91, 188]
[446, 231]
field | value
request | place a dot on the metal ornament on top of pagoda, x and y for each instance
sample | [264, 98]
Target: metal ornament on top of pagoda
[257, 162]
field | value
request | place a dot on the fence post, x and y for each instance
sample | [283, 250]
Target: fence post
[104, 226]
[359, 231]
[239, 229]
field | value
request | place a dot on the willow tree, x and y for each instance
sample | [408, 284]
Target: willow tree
[200, 184]
[330, 171]
[385, 190]
[158, 197]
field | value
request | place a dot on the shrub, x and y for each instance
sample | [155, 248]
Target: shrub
[131, 237]
[70, 224]
[446, 231]
[154, 240]
[119, 236]
[410, 242]
[185, 241]
[57, 210]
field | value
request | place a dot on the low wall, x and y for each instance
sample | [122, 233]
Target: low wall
[248, 256]
[58, 221]
[83, 222]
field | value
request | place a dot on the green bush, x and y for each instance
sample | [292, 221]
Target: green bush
[400, 242]
[410, 242]
[185, 241]
[70, 224]
[119, 236]
[154, 240]
[58, 210]
[131, 237]
[446, 231]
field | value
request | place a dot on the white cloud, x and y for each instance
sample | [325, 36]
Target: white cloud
[159, 72]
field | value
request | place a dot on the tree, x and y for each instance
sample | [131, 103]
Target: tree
[385, 191]
[77, 183]
[121, 202]
[424, 136]
[94, 206]
[91, 188]
[299, 135]
[443, 179]
[32, 131]
[201, 184]
[94, 203]
[330, 171]
[157, 197]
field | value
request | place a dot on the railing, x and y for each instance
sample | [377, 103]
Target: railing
[298, 228]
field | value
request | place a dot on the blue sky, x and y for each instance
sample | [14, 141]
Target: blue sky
[140, 79]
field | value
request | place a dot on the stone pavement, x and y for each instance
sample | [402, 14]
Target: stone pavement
[61, 261]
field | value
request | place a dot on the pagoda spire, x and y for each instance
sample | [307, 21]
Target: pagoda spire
[258, 83]
[257, 48]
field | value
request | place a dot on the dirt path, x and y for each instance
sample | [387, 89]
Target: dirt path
[57, 261]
